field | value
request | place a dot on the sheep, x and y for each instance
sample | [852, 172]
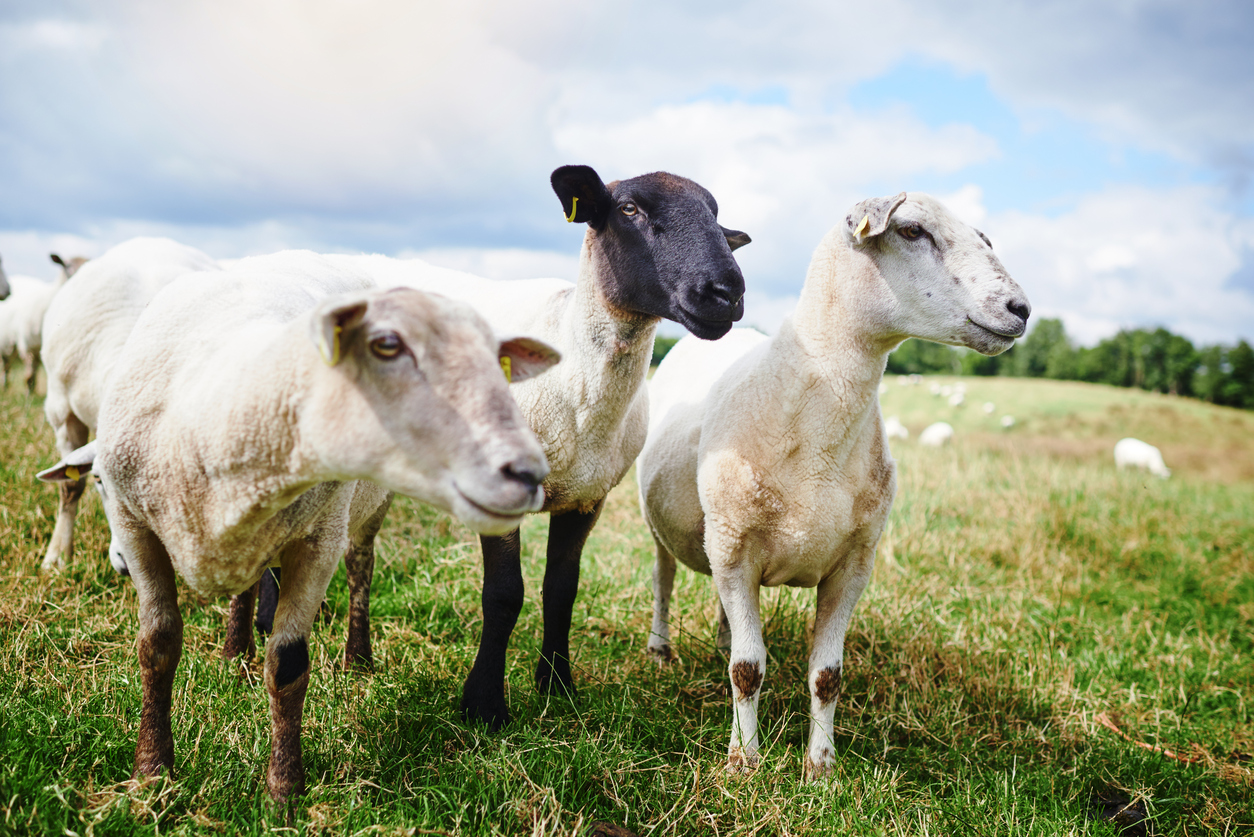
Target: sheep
[22, 317]
[894, 429]
[83, 332]
[1133, 453]
[261, 415]
[766, 461]
[989, 408]
[957, 399]
[936, 435]
[1007, 422]
[653, 249]
[4, 284]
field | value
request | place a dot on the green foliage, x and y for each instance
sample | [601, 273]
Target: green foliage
[922, 357]
[662, 345]
[1023, 590]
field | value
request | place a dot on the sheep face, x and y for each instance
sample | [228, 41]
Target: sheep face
[943, 281]
[658, 248]
[416, 401]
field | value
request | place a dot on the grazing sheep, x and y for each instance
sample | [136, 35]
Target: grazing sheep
[1133, 453]
[22, 318]
[957, 399]
[936, 435]
[261, 416]
[989, 408]
[766, 462]
[653, 249]
[894, 429]
[83, 332]
[1007, 422]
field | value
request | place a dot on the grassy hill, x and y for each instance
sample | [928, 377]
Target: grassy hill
[1045, 641]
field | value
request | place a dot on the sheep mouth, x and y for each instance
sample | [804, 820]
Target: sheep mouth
[1008, 335]
[709, 328]
[499, 514]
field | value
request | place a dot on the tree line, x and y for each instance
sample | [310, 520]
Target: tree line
[1156, 360]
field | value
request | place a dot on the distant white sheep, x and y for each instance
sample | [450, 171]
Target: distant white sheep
[1133, 453]
[766, 461]
[989, 407]
[936, 435]
[894, 429]
[1007, 422]
[22, 317]
[957, 399]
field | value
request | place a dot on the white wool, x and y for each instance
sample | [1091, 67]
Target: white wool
[936, 435]
[1133, 453]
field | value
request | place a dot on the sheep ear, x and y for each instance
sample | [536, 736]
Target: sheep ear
[330, 322]
[57, 260]
[526, 357]
[585, 199]
[73, 467]
[870, 218]
[735, 238]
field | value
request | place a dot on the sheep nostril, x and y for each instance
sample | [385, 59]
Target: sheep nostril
[529, 472]
[1019, 309]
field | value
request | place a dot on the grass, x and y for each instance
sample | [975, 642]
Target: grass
[1026, 597]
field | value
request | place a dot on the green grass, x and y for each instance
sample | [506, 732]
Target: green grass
[1024, 592]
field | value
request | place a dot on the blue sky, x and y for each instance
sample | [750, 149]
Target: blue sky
[1107, 148]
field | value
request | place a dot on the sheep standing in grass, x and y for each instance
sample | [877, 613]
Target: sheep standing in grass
[84, 330]
[260, 416]
[894, 429]
[653, 249]
[22, 318]
[1133, 453]
[936, 435]
[766, 461]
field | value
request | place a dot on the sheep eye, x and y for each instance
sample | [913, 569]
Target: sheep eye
[386, 346]
[911, 232]
[628, 209]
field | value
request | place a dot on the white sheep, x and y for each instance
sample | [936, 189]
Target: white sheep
[260, 416]
[653, 249]
[957, 399]
[936, 435]
[83, 332]
[766, 462]
[894, 429]
[989, 408]
[1133, 453]
[1007, 422]
[22, 317]
[4, 284]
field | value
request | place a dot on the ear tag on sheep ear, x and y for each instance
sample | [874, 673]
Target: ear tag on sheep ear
[71, 472]
[860, 232]
[331, 354]
[507, 366]
[570, 219]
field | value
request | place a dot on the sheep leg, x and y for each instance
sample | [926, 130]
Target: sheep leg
[267, 600]
[71, 435]
[483, 695]
[359, 567]
[663, 585]
[567, 535]
[308, 565]
[160, 645]
[747, 668]
[837, 595]
[239, 632]
[31, 359]
[723, 641]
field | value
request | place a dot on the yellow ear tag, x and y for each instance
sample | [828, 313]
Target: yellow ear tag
[570, 219]
[860, 232]
[507, 366]
[335, 348]
[71, 472]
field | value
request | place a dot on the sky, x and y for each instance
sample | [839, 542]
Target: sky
[1106, 147]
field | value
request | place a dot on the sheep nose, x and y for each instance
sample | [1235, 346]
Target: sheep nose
[526, 469]
[1020, 308]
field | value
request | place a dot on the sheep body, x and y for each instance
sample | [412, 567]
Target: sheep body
[1133, 453]
[227, 444]
[766, 461]
[22, 317]
[894, 429]
[83, 332]
[937, 434]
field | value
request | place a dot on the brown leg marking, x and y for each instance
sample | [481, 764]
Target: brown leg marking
[827, 685]
[287, 679]
[239, 626]
[359, 563]
[159, 652]
[747, 678]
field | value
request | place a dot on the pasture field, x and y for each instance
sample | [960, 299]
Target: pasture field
[1045, 641]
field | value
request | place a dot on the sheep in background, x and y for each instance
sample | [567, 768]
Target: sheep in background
[936, 435]
[1133, 453]
[262, 415]
[989, 408]
[4, 284]
[766, 461]
[957, 399]
[22, 318]
[1007, 422]
[894, 429]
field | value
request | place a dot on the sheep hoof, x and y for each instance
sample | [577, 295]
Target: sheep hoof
[663, 654]
[812, 771]
[554, 678]
[741, 763]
